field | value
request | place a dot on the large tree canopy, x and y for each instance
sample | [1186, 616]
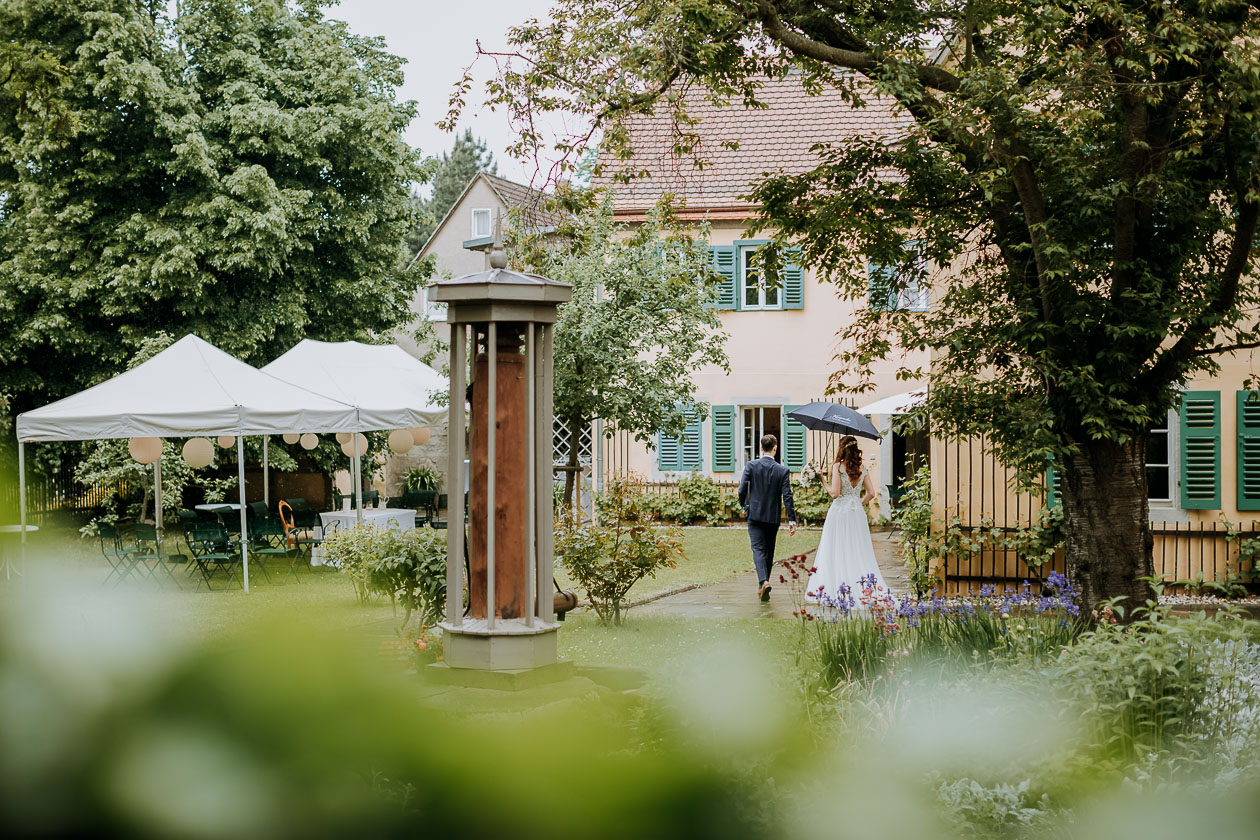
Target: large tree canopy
[1085, 171]
[238, 172]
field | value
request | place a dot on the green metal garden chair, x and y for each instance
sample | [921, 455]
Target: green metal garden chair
[120, 557]
[149, 550]
[212, 549]
[266, 540]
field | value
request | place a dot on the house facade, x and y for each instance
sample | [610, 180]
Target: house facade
[1203, 460]
[782, 332]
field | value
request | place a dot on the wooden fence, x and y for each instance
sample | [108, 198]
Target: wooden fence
[59, 494]
[979, 494]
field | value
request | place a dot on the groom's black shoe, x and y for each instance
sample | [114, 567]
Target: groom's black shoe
[764, 591]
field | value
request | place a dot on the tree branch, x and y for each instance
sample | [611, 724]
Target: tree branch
[1226, 348]
[1186, 347]
[864, 62]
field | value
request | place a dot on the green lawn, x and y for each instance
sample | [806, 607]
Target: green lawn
[324, 598]
[712, 555]
[661, 644]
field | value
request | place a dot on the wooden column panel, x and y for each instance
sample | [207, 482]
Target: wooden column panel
[511, 480]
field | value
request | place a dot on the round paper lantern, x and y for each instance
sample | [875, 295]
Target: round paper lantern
[226, 441]
[343, 437]
[145, 450]
[309, 441]
[348, 446]
[420, 434]
[291, 438]
[198, 452]
[401, 441]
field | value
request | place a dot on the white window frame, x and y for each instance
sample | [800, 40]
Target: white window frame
[745, 254]
[916, 296]
[761, 407]
[433, 310]
[489, 222]
[1167, 431]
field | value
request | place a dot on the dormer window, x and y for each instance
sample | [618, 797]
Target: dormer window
[480, 224]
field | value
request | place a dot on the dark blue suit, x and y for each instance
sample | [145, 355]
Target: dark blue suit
[764, 484]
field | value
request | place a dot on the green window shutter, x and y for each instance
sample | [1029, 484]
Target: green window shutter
[793, 280]
[1201, 450]
[690, 454]
[1053, 484]
[1248, 450]
[879, 282]
[682, 454]
[666, 453]
[793, 441]
[722, 262]
[723, 438]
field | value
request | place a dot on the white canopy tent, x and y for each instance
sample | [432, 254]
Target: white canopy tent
[191, 388]
[390, 388]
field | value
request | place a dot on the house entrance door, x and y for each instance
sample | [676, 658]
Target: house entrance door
[762, 420]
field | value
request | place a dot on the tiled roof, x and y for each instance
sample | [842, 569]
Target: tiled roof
[528, 201]
[512, 193]
[776, 139]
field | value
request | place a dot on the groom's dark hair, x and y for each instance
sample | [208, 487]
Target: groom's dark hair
[768, 442]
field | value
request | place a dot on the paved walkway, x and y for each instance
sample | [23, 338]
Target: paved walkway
[737, 598]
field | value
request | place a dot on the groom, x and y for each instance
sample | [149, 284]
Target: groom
[764, 482]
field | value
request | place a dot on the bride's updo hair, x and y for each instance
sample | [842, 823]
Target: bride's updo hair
[850, 455]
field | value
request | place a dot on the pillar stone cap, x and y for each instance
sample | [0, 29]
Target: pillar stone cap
[499, 285]
[502, 627]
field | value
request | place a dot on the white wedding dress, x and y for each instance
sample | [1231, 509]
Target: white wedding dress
[845, 552]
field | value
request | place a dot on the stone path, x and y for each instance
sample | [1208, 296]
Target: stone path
[737, 598]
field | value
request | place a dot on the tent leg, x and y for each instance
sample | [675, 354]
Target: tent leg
[21, 508]
[266, 475]
[356, 475]
[157, 499]
[240, 467]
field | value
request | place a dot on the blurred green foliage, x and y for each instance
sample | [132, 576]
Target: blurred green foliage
[112, 725]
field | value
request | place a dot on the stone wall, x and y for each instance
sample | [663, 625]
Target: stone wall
[433, 454]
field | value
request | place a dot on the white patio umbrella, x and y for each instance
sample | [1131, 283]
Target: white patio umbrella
[390, 388]
[191, 388]
[896, 404]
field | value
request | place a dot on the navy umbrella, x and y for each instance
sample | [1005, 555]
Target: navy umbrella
[833, 417]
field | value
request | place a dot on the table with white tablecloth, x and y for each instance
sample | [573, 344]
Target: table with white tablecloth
[332, 521]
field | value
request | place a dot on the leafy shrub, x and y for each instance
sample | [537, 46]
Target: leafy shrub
[914, 517]
[407, 566]
[608, 559]
[699, 497]
[1159, 685]
[422, 478]
[998, 811]
[812, 501]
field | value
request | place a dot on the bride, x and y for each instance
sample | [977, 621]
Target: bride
[846, 555]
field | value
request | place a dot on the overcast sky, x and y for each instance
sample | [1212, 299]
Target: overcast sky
[439, 39]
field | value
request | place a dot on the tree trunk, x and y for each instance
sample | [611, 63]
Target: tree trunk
[1106, 522]
[571, 474]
